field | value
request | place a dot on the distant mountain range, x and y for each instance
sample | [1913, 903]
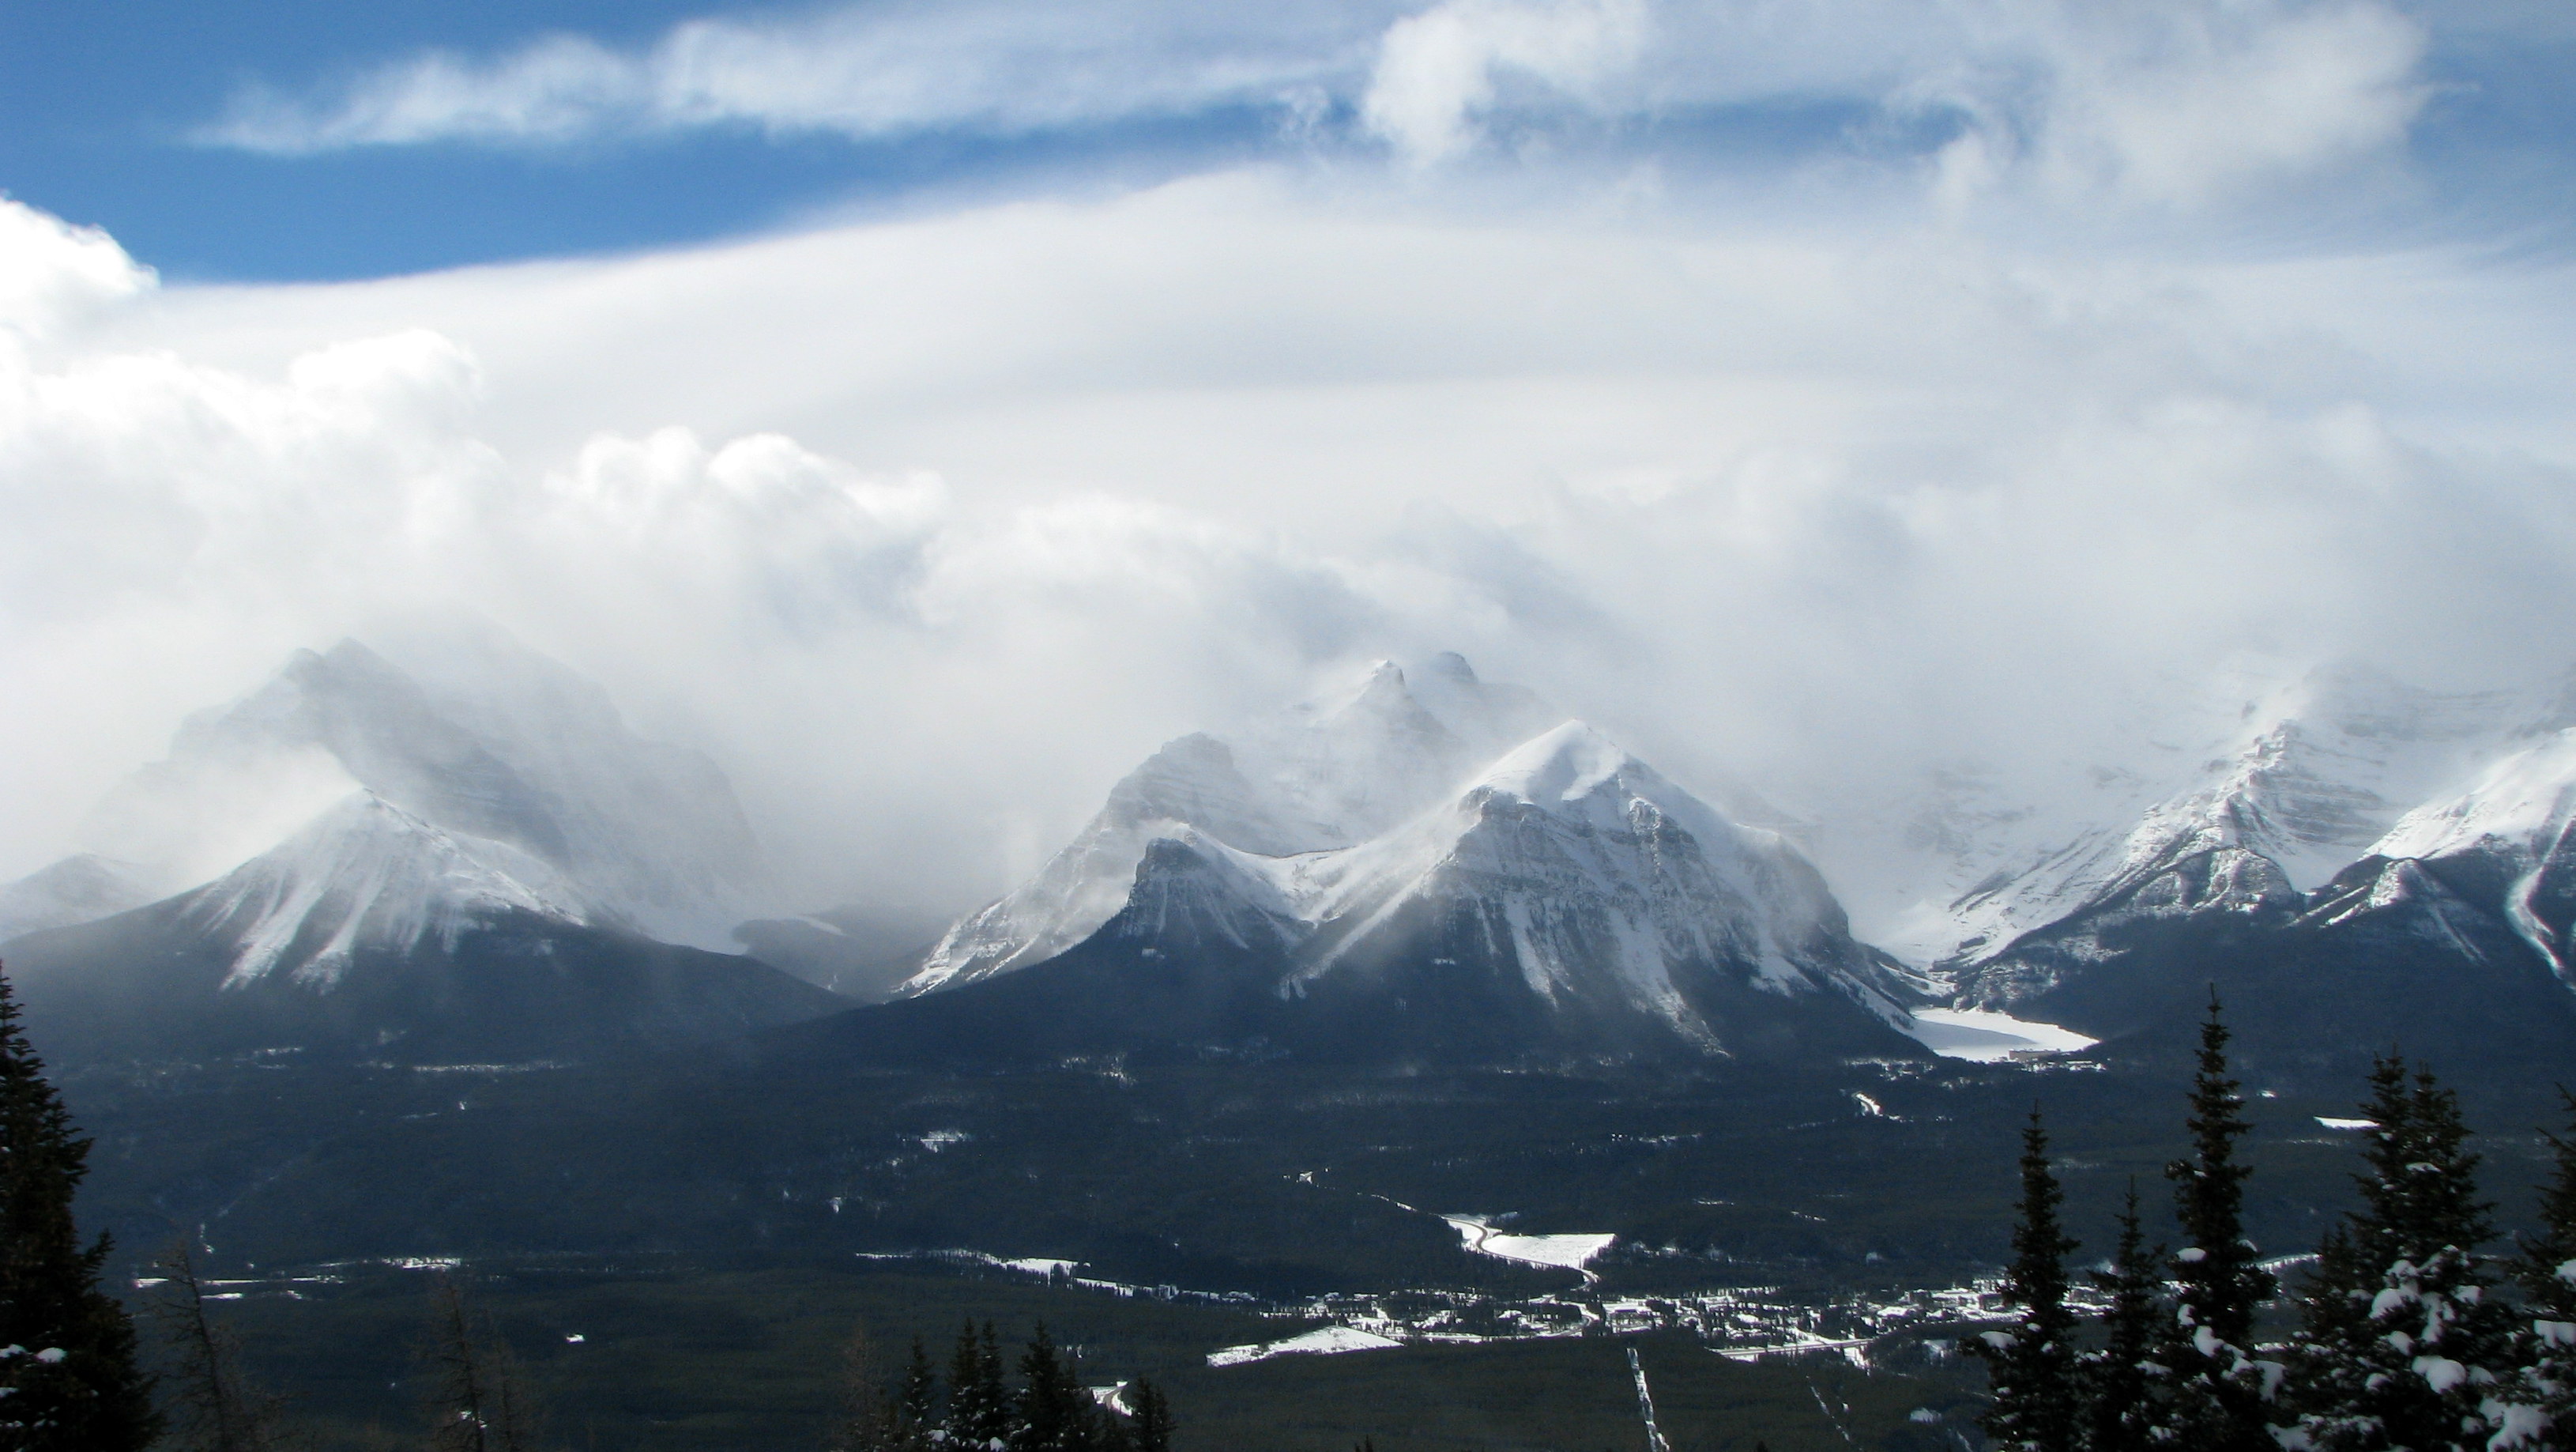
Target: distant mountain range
[468, 853]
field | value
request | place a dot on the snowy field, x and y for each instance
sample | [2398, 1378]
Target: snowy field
[1988, 1037]
[1567, 1252]
[1324, 1341]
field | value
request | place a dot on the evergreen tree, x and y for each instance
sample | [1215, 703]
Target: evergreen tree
[2038, 1405]
[2401, 1347]
[979, 1407]
[68, 1379]
[1055, 1414]
[1152, 1417]
[2223, 1397]
[2125, 1386]
[2542, 1404]
[220, 1409]
[918, 1404]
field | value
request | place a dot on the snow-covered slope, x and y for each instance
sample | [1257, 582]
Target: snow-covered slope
[1564, 898]
[501, 746]
[2449, 931]
[2308, 776]
[1595, 878]
[367, 874]
[1320, 776]
[2509, 832]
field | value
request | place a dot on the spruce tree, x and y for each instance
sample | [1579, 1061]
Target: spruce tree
[2126, 1389]
[2038, 1405]
[918, 1404]
[1054, 1413]
[2401, 1347]
[979, 1407]
[2542, 1401]
[2223, 1397]
[1152, 1415]
[68, 1379]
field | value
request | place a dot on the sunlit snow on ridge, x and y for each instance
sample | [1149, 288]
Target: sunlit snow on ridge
[1986, 1036]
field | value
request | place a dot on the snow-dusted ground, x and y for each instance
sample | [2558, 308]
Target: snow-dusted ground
[1323, 1341]
[1985, 1036]
[1566, 1252]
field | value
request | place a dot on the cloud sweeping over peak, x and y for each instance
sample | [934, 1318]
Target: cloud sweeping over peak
[929, 528]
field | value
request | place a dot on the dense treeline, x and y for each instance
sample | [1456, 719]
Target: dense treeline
[2410, 1334]
[1049, 1411]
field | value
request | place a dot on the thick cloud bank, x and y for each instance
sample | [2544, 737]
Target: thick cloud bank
[927, 528]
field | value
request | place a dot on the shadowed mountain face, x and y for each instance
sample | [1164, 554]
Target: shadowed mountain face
[154, 985]
[372, 934]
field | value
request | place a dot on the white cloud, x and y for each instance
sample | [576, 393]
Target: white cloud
[1786, 502]
[1437, 71]
[2182, 105]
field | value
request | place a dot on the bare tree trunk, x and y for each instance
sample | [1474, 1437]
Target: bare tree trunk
[219, 1408]
[480, 1401]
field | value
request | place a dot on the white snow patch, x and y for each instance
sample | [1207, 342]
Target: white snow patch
[1566, 1252]
[1325, 1341]
[1986, 1036]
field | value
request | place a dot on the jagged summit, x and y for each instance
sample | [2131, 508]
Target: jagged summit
[2309, 776]
[1563, 898]
[2298, 885]
[1319, 776]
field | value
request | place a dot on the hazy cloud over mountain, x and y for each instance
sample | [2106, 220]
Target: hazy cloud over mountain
[2055, 354]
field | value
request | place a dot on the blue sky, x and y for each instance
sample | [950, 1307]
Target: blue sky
[137, 116]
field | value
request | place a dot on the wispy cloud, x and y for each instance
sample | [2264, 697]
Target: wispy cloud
[2174, 104]
[865, 72]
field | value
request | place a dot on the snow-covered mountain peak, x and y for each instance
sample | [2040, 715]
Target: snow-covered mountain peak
[475, 734]
[367, 874]
[1327, 774]
[1569, 765]
[2523, 803]
[2307, 770]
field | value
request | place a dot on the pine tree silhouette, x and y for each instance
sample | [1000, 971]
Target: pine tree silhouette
[68, 1382]
[2124, 1385]
[1152, 1417]
[2222, 1394]
[2401, 1346]
[2038, 1405]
